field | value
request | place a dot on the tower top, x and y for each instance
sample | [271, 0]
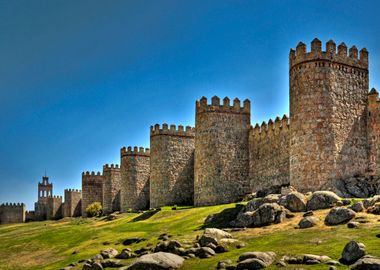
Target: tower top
[352, 58]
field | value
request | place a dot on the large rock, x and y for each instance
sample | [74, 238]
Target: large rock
[357, 207]
[375, 209]
[308, 222]
[213, 236]
[205, 252]
[352, 252]
[256, 203]
[266, 257]
[268, 213]
[243, 219]
[109, 253]
[295, 202]
[339, 215]
[367, 263]
[322, 200]
[157, 261]
[255, 260]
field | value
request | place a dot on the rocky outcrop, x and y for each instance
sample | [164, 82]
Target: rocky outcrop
[308, 222]
[294, 201]
[339, 215]
[213, 236]
[255, 260]
[352, 252]
[367, 263]
[322, 200]
[157, 261]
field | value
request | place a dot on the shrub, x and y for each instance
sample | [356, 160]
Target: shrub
[94, 210]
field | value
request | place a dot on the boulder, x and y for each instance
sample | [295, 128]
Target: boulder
[267, 257]
[223, 264]
[256, 203]
[294, 201]
[308, 222]
[132, 240]
[367, 263]
[109, 253]
[126, 254]
[171, 246]
[243, 219]
[315, 259]
[92, 266]
[205, 252]
[322, 200]
[157, 261]
[353, 225]
[251, 264]
[357, 207]
[213, 235]
[268, 213]
[352, 252]
[375, 209]
[339, 215]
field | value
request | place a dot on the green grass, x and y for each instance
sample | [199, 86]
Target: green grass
[50, 244]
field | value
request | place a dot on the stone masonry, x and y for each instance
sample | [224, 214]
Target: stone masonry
[111, 188]
[12, 213]
[135, 173]
[73, 203]
[54, 207]
[221, 151]
[328, 114]
[269, 154]
[171, 165]
[92, 190]
[330, 141]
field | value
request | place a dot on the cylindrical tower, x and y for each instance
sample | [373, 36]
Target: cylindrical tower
[172, 165]
[135, 172]
[111, 188]
[221, 151]
[328, 114]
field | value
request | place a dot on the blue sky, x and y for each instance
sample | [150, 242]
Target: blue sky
[81, 79]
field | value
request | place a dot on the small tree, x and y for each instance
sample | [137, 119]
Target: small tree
[94, 210]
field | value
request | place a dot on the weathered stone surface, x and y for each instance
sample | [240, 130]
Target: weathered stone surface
[111, 188]
[109, 253]
[157, 261]
[172, 165]
[205, 252]
[375, 209]
[213, 236]
[295, 202]
[352, 252]
[92, 190]
[251, 264]
[357, 207]
[221, 131]
[339, 215]
[267, 257]
[367, 263]
[135, 173]
[308, 222]
[268, 213]
[322, 200]
[73, 203]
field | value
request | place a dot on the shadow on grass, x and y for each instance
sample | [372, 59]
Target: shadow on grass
[222, 219]
[145, 215]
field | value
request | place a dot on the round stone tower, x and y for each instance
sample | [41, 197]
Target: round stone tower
[221, 151]
[135, 173]
[172, 165]
[328, 114]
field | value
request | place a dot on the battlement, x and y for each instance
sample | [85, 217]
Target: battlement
[135, 151]
[73, 190]
[278, 125]
[12, 205]
[331, 57]
[112, 167]
[56, 197]
[215, 106]
[172, 130]
[91, 174]
[373, 97]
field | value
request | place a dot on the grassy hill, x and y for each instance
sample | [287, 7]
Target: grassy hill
[55, 244]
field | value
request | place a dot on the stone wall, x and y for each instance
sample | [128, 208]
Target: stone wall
[30, 216]
[111, 188]
[221, 151]
[135, 173]
[92, 190]
[269, 154]
[328, 114]
[12, 213]
[171, 165]
[374, 132]
[54, 208]
[73, 203]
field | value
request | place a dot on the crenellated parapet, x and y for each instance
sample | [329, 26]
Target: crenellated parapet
[350, 61]
[135, 151]
[73, 190]
[216, 106]
[12, 205]
[172, 130]
[272, 127]
[111, 167]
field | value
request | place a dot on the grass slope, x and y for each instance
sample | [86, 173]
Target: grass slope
[51, 244]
